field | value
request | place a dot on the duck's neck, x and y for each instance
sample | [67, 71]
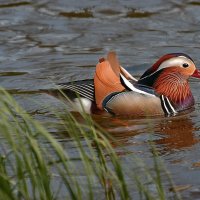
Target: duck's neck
[176, 87]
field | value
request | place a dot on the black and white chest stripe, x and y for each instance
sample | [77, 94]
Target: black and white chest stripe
[167, 106]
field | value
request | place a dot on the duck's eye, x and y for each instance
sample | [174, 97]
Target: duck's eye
[185, 65]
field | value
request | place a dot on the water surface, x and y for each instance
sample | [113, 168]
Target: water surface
[46, 42]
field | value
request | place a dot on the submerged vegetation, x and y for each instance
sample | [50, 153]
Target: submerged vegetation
[34, 165]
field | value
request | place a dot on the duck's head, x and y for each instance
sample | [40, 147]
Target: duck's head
[169, 77]
[176, 62]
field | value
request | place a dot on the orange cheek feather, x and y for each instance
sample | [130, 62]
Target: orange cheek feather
[173, 86]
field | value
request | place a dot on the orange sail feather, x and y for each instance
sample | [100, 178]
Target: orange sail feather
[106, 78]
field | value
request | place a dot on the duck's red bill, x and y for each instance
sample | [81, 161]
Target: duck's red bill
[196, 74]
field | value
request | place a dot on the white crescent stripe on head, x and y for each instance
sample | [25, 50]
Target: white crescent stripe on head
[172, 62]
[175, 61]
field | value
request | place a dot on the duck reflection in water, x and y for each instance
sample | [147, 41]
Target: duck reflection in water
[176, 133]
[168, 133]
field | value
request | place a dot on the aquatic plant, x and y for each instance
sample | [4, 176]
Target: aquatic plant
[34, 165]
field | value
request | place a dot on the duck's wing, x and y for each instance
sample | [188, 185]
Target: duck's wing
[84, 88]
[107, 78]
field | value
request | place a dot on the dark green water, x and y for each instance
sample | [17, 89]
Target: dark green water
[43, 42]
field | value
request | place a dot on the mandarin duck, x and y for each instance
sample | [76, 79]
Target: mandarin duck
[163, 89]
